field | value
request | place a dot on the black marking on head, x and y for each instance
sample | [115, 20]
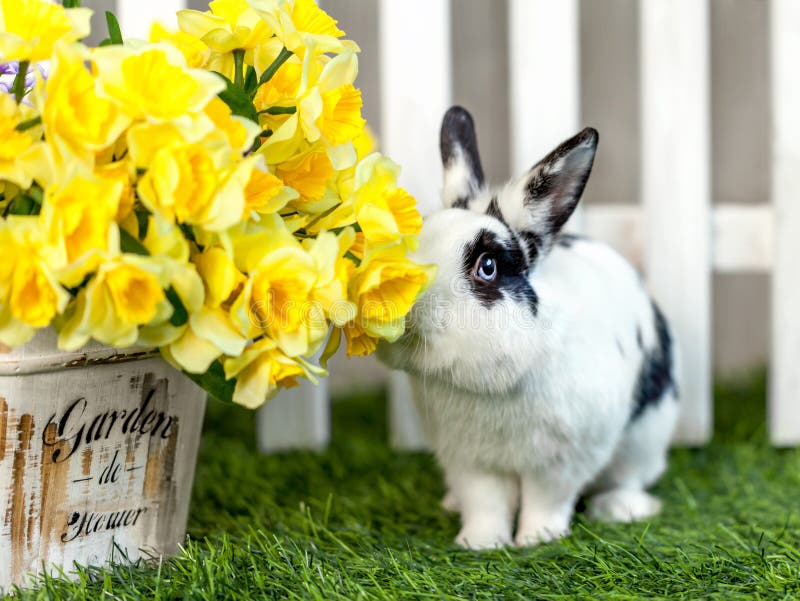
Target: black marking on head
[458, 132]
[655, 375]
[460, 203]
[567, 240]
[533, 242]
[639, 339]
[512, 266]
[493, 210]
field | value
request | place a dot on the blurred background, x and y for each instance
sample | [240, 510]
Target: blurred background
[609, 101]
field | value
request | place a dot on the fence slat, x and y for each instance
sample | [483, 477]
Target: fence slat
[544, 77]
[415, 93]
[136, 17]
[742, 241]
[674, 43]
[298, 418]
[784, 404]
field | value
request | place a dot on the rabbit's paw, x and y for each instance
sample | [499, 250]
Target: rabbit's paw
[545, 530]
[623, 505]
[483, 534]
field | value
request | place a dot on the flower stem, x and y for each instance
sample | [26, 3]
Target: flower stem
[19, 81]
[270, 71]
[238, 62]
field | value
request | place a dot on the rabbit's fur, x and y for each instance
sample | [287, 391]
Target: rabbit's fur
[554, 380]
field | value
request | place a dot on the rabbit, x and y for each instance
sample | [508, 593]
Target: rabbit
[542, 370]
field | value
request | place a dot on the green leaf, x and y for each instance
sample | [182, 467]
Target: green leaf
[26, 125]
[270, 71]
[71, 3]
[179, 314]
[142, 221]
[24, 205]
[129, 244]
[279, 110]
[250, 81]
[237, 100]
[214, 382]
[114, 32]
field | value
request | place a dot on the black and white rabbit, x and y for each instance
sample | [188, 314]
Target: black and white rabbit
[542, 369]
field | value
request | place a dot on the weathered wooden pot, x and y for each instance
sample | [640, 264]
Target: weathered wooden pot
[97, 456]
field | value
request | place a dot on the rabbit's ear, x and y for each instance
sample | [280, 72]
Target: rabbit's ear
[552, 188]
[463, 174]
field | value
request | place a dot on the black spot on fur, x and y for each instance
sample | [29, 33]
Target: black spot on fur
[655, 374]
[458, 131]
[512, 266]
[639, 339]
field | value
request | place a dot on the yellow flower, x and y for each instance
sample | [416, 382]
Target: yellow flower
[118, 173]
[385, 212]
[190, 184]
[384, 287]
[265, 193]
[75, 118]
[341, 120]
[221, 278]
[302, 25]
[154, 81]
[328, 111]
[261, 370]
[165, 239]
[359, 342]
[277, 297]
[211, 333]
[333, 273]
[332, 107]
[30, 28]
[283, 87]
[240, 131]
[78, 216]
[194, 51]
[17, 149]
[228, 26]
[30, 296]
[126, 292]
[309, 173]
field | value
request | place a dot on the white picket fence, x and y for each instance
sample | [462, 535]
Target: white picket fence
[676, 236]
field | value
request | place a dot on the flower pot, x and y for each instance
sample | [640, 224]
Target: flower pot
[97, 456]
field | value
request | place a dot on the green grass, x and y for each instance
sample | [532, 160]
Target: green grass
[362, 521]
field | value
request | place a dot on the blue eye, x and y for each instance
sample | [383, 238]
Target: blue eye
[486, 268]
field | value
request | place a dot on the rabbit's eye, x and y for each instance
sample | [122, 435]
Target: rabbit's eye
[486, 268]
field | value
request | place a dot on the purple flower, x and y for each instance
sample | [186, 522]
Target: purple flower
[8, 72]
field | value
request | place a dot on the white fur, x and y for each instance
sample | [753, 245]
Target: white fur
[526, 413]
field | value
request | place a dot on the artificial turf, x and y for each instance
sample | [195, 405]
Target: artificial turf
[361, 521]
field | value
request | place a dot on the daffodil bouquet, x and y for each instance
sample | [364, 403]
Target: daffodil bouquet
[210, 192]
